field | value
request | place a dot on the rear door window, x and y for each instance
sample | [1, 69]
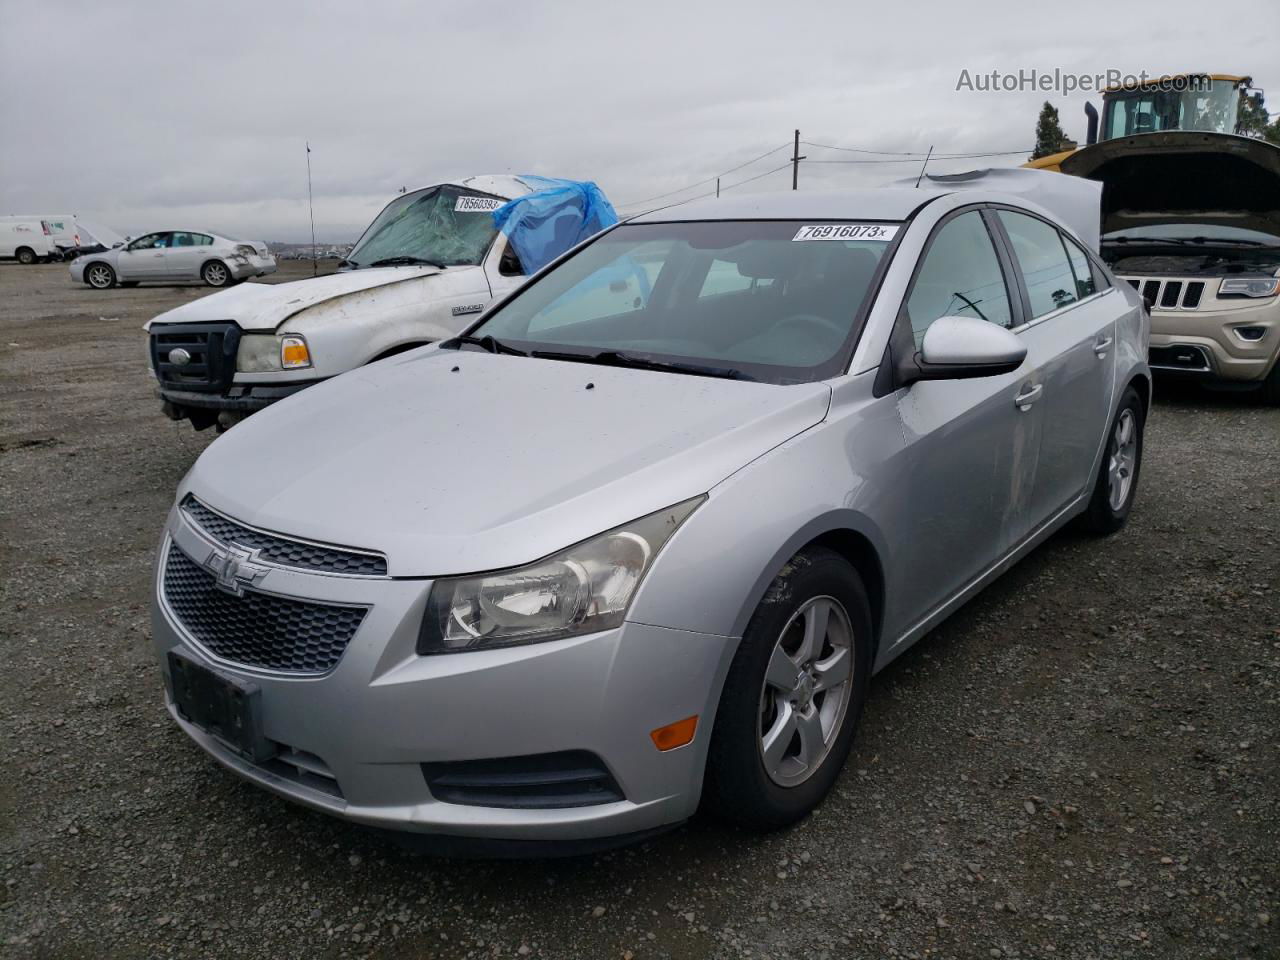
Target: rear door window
[1042, 258]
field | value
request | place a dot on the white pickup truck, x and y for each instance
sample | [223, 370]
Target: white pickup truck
[429, 262]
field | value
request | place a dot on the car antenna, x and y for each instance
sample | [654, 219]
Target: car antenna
[923, 165]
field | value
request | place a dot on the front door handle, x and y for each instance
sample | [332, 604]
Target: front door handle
[1101, 346]
[1029, 395]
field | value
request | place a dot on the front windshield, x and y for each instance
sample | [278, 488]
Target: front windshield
[767, 300]
[1212, 107]
[444, 225]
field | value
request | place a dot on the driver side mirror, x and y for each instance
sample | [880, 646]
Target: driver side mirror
[960, 348]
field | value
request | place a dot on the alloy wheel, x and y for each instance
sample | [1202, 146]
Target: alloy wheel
[215, 274]
[100, 277]
[1123, 459]
[806, 692]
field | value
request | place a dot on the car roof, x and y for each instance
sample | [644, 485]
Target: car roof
[1070, 201]
[879, 203]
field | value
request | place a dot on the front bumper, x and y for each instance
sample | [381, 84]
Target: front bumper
[76, 269]
[239, 398]
[1205, 343]
[383, 711]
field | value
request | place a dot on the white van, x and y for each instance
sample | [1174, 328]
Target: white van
[26, 240]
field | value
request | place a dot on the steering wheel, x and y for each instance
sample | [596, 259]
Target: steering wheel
[813, 319]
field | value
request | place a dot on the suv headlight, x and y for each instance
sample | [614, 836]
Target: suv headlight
[1248, 287]
[583, 589]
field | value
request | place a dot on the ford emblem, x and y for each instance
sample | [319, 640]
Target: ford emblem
[179, 357]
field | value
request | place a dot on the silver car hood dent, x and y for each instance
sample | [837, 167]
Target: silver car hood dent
[264, 306]
[497, 463]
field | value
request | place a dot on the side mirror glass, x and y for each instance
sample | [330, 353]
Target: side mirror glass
[958, 348]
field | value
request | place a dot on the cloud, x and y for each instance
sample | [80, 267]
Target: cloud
[152, 114]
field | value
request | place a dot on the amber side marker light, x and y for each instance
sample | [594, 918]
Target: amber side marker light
[294, 353]
[675, 734]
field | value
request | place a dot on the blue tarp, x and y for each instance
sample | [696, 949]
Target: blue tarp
[558, 215]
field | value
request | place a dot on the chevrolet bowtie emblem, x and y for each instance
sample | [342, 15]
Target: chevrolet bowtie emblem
[233, 568]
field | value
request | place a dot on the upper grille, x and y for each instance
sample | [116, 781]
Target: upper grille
[257, 629]
[1169, 294]
[210, 348]
[287, 553]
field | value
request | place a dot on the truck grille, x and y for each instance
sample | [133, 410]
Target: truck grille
[200, 357]
[1168, 294]
[257, 629]
[287, 553]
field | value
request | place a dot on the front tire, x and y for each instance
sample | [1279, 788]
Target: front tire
[1117, 482]
[215, 274]
[793, 696]
[100, 276]
[1271, 385]
[26, 256]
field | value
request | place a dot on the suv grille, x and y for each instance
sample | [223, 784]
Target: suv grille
[257, 629]
[287, 553]
[210, 350]
[1169, 294]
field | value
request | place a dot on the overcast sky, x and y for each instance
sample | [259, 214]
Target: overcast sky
[146, 115]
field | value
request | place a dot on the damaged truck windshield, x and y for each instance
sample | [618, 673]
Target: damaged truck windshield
[443, 226]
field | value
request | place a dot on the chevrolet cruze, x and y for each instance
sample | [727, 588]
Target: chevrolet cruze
[640, 538]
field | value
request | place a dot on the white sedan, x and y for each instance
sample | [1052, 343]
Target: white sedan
[171, 255]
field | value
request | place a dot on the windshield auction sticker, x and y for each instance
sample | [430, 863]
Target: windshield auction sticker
[477, 204]
[846, 231]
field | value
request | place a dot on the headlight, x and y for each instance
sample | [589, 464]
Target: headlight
[267, 353]
[584, 589]
[1249, 287]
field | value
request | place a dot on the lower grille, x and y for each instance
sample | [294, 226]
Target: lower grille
[544, 781]
[1178, 357]
[257, 629]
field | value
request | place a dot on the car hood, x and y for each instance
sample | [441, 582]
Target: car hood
[264, 306]
[1183, 177]
[457, 462]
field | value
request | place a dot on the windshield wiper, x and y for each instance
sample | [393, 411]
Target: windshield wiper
[491, 344]
[618, 358]
[403, 261]
[1198, 241]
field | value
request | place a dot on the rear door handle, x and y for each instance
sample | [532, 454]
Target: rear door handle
[1101, 346]
[1029, 395]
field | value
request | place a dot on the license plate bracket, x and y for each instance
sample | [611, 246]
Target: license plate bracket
[225, 707]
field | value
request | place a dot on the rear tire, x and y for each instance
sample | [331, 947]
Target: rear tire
[1117, 482]
[779, 743]
[100, 276]
[26, 256]
[215, 274]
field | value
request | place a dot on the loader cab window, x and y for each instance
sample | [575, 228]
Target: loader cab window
[1211, 106]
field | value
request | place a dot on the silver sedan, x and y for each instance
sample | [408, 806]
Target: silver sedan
[174, 255]
[642, 536]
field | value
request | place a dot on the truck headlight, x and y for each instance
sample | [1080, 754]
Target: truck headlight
[583, 589]
[1248, 287]
[267, 353]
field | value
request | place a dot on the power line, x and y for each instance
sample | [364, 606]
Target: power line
[712, 193]
[907, 153]
[723, 173]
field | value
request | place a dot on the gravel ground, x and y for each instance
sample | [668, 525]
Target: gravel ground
[1084, 762]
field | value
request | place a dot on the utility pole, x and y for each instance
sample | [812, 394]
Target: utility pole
[311, 207]
[717, 188]
[795, 164]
